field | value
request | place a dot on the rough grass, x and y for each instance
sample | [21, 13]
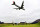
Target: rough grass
[27, 25]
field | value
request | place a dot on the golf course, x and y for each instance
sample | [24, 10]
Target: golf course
[26, 25]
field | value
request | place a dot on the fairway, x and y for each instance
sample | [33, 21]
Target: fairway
[11, 25]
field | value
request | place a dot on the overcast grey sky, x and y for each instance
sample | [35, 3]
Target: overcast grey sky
[8, 14]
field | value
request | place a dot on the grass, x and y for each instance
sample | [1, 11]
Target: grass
[27, 25]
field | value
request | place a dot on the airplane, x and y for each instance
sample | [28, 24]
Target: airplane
[19, 6]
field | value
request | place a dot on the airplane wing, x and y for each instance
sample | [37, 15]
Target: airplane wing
[22, 4]
[16, 8]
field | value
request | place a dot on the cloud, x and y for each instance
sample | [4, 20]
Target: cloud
[32, 10]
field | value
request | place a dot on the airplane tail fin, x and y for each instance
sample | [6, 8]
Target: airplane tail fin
[13, 3]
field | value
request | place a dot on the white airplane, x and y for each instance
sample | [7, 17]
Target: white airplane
[19, 6]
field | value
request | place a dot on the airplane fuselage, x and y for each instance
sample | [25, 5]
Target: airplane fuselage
[20, 8]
